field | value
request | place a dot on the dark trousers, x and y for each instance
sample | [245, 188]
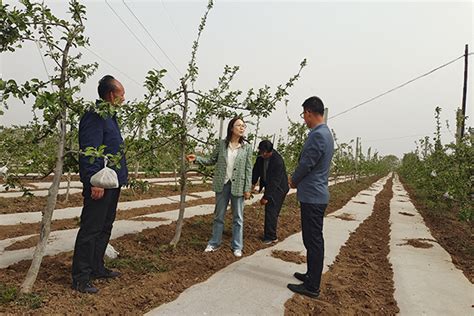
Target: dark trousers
[312, 227]
[272, 211]
[97, 218]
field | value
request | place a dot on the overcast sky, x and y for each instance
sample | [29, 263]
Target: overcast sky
[355, 51]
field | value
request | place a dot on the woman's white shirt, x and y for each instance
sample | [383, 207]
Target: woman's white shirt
[231, 155]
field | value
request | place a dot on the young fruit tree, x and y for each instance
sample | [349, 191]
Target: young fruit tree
[183, 117]
[55, 98]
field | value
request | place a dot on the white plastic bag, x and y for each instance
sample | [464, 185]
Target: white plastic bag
[111, 252]
[106, 178]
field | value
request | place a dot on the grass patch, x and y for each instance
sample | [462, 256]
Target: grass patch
[196, 240]
[31, 300]
[139, 237]
[200, 223]
[8, 293]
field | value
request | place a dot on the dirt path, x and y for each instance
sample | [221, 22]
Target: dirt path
[426, 280]
[360, 282]
[452, 234]
[256, 284]
[152, 273]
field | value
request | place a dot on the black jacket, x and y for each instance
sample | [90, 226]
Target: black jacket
[94, 131]
[277, 179]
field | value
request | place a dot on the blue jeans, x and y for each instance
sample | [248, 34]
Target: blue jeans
[237, 205]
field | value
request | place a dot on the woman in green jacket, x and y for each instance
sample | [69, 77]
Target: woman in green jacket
[232, 181]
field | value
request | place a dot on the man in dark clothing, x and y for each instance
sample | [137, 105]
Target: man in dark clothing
[100, 205]
[270, 169]
[311, 180]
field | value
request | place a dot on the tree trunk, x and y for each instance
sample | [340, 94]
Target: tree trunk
[256, 133]
[175, 173]
[182, 201]
[68, 185]
[137, 163]
[357, 160]
[68, 174]
[221, 127]
[45, 229]
[137, 167]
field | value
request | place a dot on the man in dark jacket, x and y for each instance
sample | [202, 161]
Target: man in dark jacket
[100, 205]
[270, 169]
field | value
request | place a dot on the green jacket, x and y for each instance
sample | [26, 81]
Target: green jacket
[242, 174]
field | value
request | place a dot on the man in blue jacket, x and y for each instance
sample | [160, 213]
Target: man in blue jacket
[311, 180]
[100, 205]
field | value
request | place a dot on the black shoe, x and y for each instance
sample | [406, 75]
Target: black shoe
[107, 274]
[267, 241]
[301, 289]
[300, 276]
[84, 287]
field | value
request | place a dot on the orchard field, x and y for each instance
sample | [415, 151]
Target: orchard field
[398, 232]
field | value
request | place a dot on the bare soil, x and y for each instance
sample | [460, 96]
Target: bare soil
[345, 217]
[454, 235]
[418, 243]
[38, 203]
[152, 272]
[360, 281]
[26, 243]
[149, 219]
[289, 256]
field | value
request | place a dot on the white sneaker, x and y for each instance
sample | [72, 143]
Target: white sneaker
[210, 248]
[238, 253]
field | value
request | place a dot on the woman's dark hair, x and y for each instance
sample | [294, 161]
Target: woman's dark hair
[229, 131]
[106, 85]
